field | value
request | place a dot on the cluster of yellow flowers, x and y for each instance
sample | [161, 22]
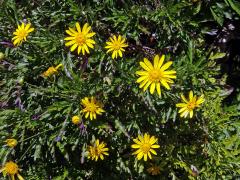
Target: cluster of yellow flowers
[152, 75]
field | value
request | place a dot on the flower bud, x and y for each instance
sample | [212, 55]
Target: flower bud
[1, 56]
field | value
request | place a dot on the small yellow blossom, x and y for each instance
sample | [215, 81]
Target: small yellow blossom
[154, 170]
[51, 71]
[155, 75]
[97, 150]
[21, 33]
[80, 38]
[1, 56]
[76, 120]
[188, 106]
[145, 145]
[91, 108]
[11, 169]
[11, 142]
[117, 45]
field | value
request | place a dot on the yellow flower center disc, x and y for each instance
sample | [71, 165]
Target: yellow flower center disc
[145, 148]
[155, 75]
[191, 105]
[80, 39]
[91, 107]
[11, 168]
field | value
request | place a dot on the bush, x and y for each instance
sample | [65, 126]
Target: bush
[41, 102]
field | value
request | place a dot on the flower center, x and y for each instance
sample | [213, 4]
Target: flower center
[11, 168]
[155, 75]
[22, 34]
[117, 45]
[80, 39]
[191, 105]
[145, 148]
[91, 107]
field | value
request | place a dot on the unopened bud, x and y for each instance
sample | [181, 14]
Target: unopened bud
[1, 56]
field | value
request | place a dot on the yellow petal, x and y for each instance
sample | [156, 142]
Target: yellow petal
[155, 146]
[145, 157]
[190, 95]
[143, 83]
[90, 34]
[183, 98]
[78, 27]
[86, 115]
[152, 140]
[158, 88]
[146, 86]
[30, 30]
[139, 156]
[200, 100]
[85, 27]
[181, 105]
[153, 151]
[20, 177]
[135, 146]
[141, 79]
[182, 109]
[149, 155]
[161, 61]
[142, 73]
[141, 138]
[156, 59]
[120, 53]
[73, 47]
[144, 66]
[191, 113]
[166, 66]
[79, 49]
[152, 88]
[70, 43]
[70, 33]
[148, 63]
[165, 84]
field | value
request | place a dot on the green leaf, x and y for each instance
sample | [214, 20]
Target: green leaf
[234, 5]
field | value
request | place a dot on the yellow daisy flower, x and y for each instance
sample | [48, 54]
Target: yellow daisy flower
[117, 45]
[145, 145]
[97, 150]
[155, 75]
[76, 120]
[11, 142]
[51, 71]
[21, 33]
[11, 169]
[80, 38]
[154, 170]
[188, 106]
[91, 108]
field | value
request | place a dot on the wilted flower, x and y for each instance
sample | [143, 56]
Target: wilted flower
[51, 71]
[154, 170]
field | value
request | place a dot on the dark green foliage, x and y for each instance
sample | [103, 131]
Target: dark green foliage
[37, 111]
